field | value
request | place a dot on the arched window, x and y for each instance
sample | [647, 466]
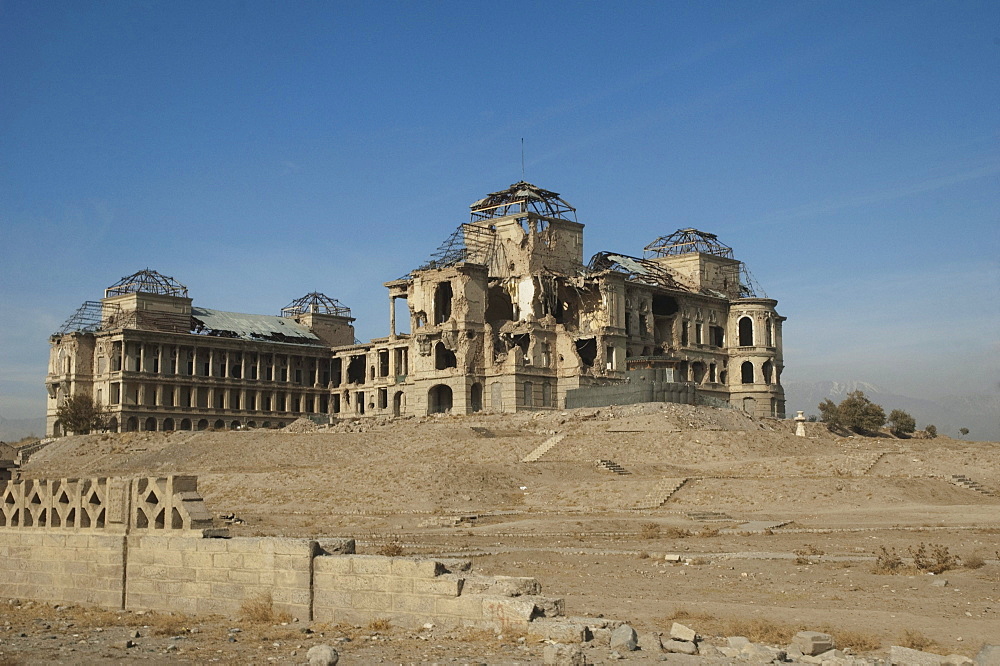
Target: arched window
[746, 332]
[767, 370]
[439, 399]
[746, 372]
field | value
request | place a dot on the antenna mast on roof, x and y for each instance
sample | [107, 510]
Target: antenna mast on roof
[522, 158]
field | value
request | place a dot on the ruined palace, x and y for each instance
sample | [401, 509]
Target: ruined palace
[505, 317]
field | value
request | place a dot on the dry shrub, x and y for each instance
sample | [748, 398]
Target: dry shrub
[697, 561]
[260, 610]
[169, 625]
[676, 533]
[859, 641]
[391, 549]
[682, 613]
[761, 630]
[887, 562]
[934, 558]
[974, 560]
[649, 531]
[916, 640]
[808, 550]
[643, 555]
[709, 532]
[380, 625]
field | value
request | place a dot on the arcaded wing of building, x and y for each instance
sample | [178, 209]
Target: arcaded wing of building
[505, 317]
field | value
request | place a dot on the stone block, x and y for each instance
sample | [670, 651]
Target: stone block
[506, 611]
[371, 565]
[336, 546]
[332, 565]
[416, 568]
[903, 656]
[467, 608]
[989, 655]
[558, 630]
[680, 647]
[624, 638]
[448, 585]
[363, 583]
[813, 642]
[683, 633]
[762, 653]
[398, 585]
[650, 642]
[332, 598]
[227, 560]
[243, 576]
[420, 605]
[563, 655]
[373, 601]
[503, 586]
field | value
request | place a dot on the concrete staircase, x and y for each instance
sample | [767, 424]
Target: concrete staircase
[543, 448]
[612, 466]
[875, 461]
[660, 494]
[963, 481]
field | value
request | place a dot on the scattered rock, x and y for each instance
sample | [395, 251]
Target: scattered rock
[738, 642]
[988, 656]
[902, 656]
[682, 633]
[322, 655]
[650, 642]
[624, 638]
[680, 647]
[813, 642]
[558, 654]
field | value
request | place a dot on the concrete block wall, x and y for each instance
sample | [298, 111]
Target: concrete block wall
[193, 575]
[62, 566]
[357, 589]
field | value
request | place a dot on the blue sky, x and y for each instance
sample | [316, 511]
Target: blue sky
[256, 151]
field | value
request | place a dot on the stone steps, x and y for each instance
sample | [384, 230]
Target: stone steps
[612, 466]
[544, 448]
[709, 516]
[661, 493]
[963, 481]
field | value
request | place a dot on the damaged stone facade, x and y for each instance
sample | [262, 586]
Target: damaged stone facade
[505, 317]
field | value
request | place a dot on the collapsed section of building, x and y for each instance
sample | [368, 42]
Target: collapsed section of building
[504, 317]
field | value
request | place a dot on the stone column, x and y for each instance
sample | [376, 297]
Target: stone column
[800, 424]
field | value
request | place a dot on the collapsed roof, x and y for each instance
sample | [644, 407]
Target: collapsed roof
[522, 197]
[148, 282]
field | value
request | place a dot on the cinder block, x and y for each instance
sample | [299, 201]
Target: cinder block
[212, 545]
[371, 565]
[290, 597]
[218, 606]
[327, 598]
[256, 561]
[469, 608]
[448, 585]
[227, 560]
[372, 601]
[212, 574]
[507, 611]
[243, 576]
[196, 590]
[294, 579]
[195, 559]
[169, 587]
[363, 583]
[397, 585]
[405, 603]
[232, 591]
[332, 565]
[416, 568]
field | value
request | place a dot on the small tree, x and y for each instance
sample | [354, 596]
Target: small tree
[80, 414]
[931, 431]
[829, 413]
[901, 423]
[860, 414]
[963, 431]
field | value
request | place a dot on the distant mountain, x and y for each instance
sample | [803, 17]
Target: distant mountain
[12, 430]
[980, 413]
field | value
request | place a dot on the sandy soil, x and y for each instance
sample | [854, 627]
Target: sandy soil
[577, 527]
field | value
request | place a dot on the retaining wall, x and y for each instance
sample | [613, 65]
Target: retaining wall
[142, 544]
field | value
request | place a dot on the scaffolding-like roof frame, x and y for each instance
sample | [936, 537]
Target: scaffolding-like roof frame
[522, 197]
[686, 241]
[635, 269]
[316, 303]
[147, 281]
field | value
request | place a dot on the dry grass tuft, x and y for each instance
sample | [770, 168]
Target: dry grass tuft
[887, 562]
[677, 533]
[974, 560]
[643, 555]
[858, 641]
[933, 558]
[682, 613]
[260, 610]
[380, 625]
[391, 549]
[169, 625]
[916, 640]
[649, 531]
[808, 550]
[761, 630]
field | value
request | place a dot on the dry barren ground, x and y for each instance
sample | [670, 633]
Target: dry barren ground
[779, 532]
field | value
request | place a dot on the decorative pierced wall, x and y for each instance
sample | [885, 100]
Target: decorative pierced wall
[109, 504]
